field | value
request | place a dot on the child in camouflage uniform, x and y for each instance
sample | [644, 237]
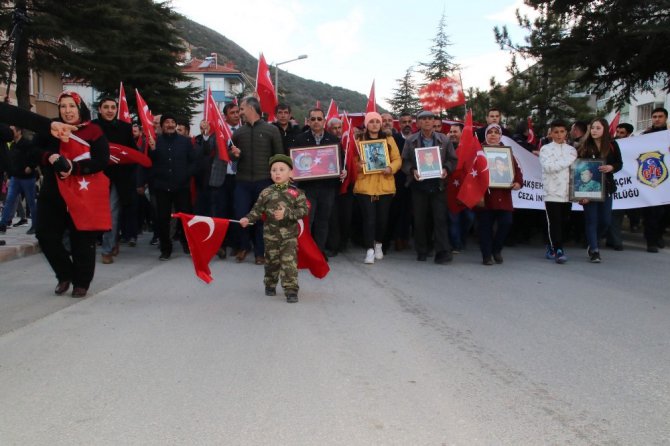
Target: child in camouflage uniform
[283, 204]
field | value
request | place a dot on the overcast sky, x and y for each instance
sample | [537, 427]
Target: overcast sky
[350, 42]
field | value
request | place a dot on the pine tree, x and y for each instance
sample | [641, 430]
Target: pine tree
[404, 97]
[539, 91]
[614, 46]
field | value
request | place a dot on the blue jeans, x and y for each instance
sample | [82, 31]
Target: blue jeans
[459, 227]
[597, 218]
[16, 186]
[109, 237]
[245, 196]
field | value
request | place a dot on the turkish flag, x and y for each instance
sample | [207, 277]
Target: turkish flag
[332, 111]
[472, 166]
[454, 181]
[218, 126]
[146, 118]
[372, 104]
[86, 196]
[120, 154]
[204, 236]
[309, 255]
[350, 154]
[614, 124]
[531, 133]
[441, 94]
[265, 89]
[123, 113]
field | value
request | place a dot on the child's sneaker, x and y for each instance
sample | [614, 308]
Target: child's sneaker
[270, 291]
[291, 297]
[561, 258]
[369, 257]
[550, 254]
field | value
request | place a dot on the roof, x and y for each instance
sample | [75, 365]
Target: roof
[202, 66]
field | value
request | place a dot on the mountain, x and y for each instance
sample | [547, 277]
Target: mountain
[301, 94]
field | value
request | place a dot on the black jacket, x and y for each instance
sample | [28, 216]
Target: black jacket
[306, 139]
[173, 162]
[20, 155]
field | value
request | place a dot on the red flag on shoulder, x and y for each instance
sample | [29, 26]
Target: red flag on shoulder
[218, 126]
[123, 114]
[473, 165]
[86, 196]
[146, 118]
[265, 89]
[204, 236]
[372, 104]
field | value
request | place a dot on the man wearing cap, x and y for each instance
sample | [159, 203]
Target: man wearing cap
[173, 165]
[428, 194]
[253, 145]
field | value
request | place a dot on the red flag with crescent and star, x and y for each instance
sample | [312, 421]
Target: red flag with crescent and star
[614, 124]
[474, 167]
[86, 196]
[217, 126]
[204, 236]
[309, 255]
[146, 118]
[123, 112]
[265, 89]
[120, 154]
[350, 154]
[332, 111]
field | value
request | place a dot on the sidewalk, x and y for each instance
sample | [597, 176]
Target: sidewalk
[17, 243]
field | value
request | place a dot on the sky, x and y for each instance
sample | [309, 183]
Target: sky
[351, 42]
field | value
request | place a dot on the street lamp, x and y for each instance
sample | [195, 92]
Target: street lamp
[302, 56]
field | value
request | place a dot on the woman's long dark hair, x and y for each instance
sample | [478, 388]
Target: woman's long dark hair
[590, 149]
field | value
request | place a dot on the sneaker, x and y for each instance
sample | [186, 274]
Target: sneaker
[497, 257]
[31, 231]
[107, 259]
[379, 253]
[3, 229]
[488, 261]
[561, 258]
[270, 291]
[652, 248]
[443, 257]
[164, 256]
[154, 241]
[21, 222]
[594, 257]
[550, 254]
[369, 257]
[132, 242]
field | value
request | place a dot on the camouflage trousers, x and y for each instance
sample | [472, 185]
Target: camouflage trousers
[281, 256]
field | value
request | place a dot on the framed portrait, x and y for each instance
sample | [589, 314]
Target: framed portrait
[312, 163]
[428, 162]
[375, 155]
[501, 167]
[586, 181]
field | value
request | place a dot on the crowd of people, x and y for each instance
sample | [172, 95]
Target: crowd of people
[381, 210]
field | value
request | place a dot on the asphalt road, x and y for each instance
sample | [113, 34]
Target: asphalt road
[396, 353]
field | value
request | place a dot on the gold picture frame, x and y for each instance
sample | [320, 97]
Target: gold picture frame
[375, 155]
[501, 166]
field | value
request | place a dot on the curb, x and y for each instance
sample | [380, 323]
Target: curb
[11, 252]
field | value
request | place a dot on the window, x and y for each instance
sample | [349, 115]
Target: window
[644, 116]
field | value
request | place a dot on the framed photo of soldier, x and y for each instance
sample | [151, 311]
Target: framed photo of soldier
[586, 181]
[428, 162]
[375, 155]
[501, 167]
[312, 163]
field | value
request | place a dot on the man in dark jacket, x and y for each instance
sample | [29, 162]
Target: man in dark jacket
[253, 145]
[655, 218]
[173, 160]
[22, 162]
[287, 130]
[321, 193]
[122, 180]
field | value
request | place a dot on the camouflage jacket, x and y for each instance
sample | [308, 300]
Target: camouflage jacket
[272, 198]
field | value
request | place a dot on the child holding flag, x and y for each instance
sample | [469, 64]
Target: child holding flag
[284, 205]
